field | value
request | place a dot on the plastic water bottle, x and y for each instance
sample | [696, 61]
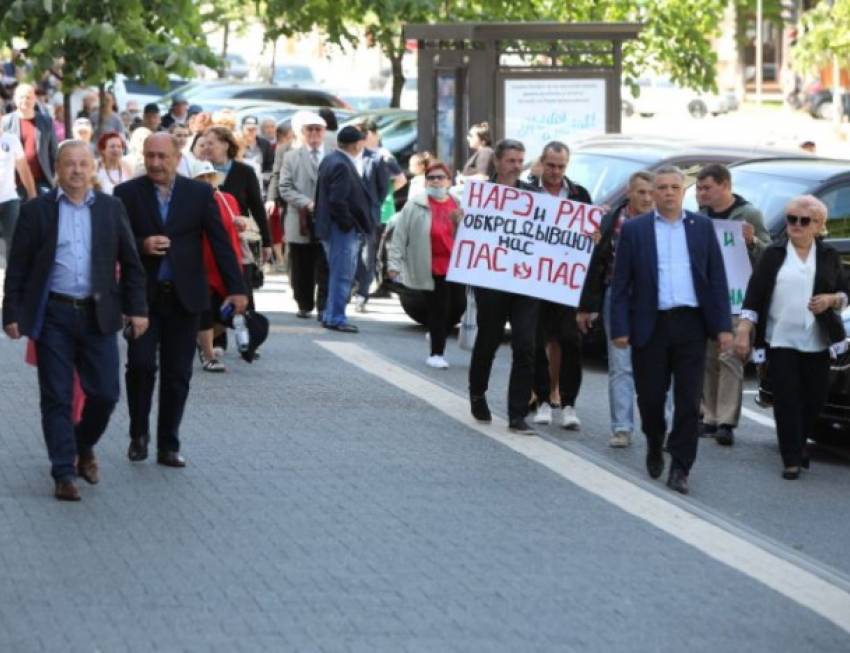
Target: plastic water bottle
[243, 338]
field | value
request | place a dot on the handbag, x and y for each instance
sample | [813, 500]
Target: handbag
[305, 222]
[469, 322]
[252, 229]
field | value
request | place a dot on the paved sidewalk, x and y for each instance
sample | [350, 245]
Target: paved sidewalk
[323, 510]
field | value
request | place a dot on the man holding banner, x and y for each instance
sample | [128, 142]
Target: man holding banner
[743, 237]
[669, 296]
[516, 246]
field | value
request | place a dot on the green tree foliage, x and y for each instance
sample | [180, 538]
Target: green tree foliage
[826, 32]
[100, 38]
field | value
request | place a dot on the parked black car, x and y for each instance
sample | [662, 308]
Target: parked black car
[818, 103]
[198, 92]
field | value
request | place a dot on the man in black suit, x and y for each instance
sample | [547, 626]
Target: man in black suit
[169, 215]
[342, 214]
[668, 297]
[61, 291]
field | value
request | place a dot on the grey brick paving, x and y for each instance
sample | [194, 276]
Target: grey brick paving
[323, 510]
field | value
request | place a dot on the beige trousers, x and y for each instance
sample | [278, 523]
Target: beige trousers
[723, 385]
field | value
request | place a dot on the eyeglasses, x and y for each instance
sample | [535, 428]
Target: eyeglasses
[435, 177]
[802, 220]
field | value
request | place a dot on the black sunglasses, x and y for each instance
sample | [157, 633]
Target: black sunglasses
[802, 220]
[435, 178]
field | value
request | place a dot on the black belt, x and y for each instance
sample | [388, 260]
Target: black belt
[678, 310]
[76, 302]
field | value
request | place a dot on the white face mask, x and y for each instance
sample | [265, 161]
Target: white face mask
[437, 192]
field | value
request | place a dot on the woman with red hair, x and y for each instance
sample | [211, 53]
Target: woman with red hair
[112, 169]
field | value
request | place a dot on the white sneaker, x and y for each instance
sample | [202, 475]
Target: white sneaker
[569, 419]
[218, 352]
[437, 362]
[543, 414]
[360, 304]
[620, 440]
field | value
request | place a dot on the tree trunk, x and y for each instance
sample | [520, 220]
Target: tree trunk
[224, 43]
[396, 56]
[101, 93]
[66, 106]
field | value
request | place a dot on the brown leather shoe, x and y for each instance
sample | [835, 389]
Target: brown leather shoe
[170, 459]
[66, 490]
[87, 468]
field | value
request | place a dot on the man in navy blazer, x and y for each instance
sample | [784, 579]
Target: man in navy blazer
[669, 295]
[341, 216]
[169, 215]
[62, 291]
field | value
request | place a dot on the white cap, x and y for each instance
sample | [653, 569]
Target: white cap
[206, 168]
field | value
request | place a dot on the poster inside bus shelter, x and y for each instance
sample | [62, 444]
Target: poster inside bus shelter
[527, 243]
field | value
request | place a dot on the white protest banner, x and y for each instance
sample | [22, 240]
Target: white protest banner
[528, 243]
[736, 260]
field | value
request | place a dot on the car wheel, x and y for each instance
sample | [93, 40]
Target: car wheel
[827, 433]
[715, 113]
[413, 304]
[647, 115]
[697, 109]
[628, 109]
[825, 110]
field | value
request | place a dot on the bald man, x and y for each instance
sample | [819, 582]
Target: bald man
[62, 292]
[169, 215]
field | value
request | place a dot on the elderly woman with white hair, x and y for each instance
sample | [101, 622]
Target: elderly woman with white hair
[793, 305]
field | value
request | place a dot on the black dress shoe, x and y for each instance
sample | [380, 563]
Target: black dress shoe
[678, 480]
[480, 409]
[725, 435]
[520, 426]
[791, 473]
[170, 459]
[706, 430]
[66, 490]
[303, 314]
[138, 450]
[342, 328]
[805, 460]
[655, 462]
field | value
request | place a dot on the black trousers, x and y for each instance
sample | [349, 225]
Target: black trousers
[171, 333]
[495, 309]
[677, 350]
[439, 302]
[557, 323]
[308, 275]
[800, 388]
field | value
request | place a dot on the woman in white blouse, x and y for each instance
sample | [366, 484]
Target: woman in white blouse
[793, 304]
[112, 169]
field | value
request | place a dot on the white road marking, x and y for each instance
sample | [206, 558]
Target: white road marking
[758, 417]
[801, 586]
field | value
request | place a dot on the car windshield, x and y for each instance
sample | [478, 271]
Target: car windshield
[399, 135]
[293, 74]
[602, 175]
[769, 193]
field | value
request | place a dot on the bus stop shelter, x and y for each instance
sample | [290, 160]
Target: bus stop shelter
[535, 82]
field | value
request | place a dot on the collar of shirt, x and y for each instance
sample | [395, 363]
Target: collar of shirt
[660, 217]
[224, 167]
[87, 200]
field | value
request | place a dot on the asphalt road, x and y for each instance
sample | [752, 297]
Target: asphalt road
[339, 498]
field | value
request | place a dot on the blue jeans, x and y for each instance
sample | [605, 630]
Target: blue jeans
[70, 338]
[341, 250]
[9, 212]
[621, 382]
[367, 262]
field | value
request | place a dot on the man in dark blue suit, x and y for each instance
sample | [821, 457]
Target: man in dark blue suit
[669, 295]
[62, 291]
[342, 215]
[170, 214]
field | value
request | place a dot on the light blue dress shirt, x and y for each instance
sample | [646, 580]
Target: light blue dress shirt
[675, 280]
[165, 272]
[71, 273]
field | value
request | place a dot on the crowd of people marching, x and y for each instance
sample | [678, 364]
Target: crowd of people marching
[205, 205]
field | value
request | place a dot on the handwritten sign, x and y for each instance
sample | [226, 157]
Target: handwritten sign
[528, 243]
[736, 260]
[541, 110]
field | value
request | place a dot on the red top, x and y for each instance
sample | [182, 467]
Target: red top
[224, 200]
[442, 235]
[29, 139]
